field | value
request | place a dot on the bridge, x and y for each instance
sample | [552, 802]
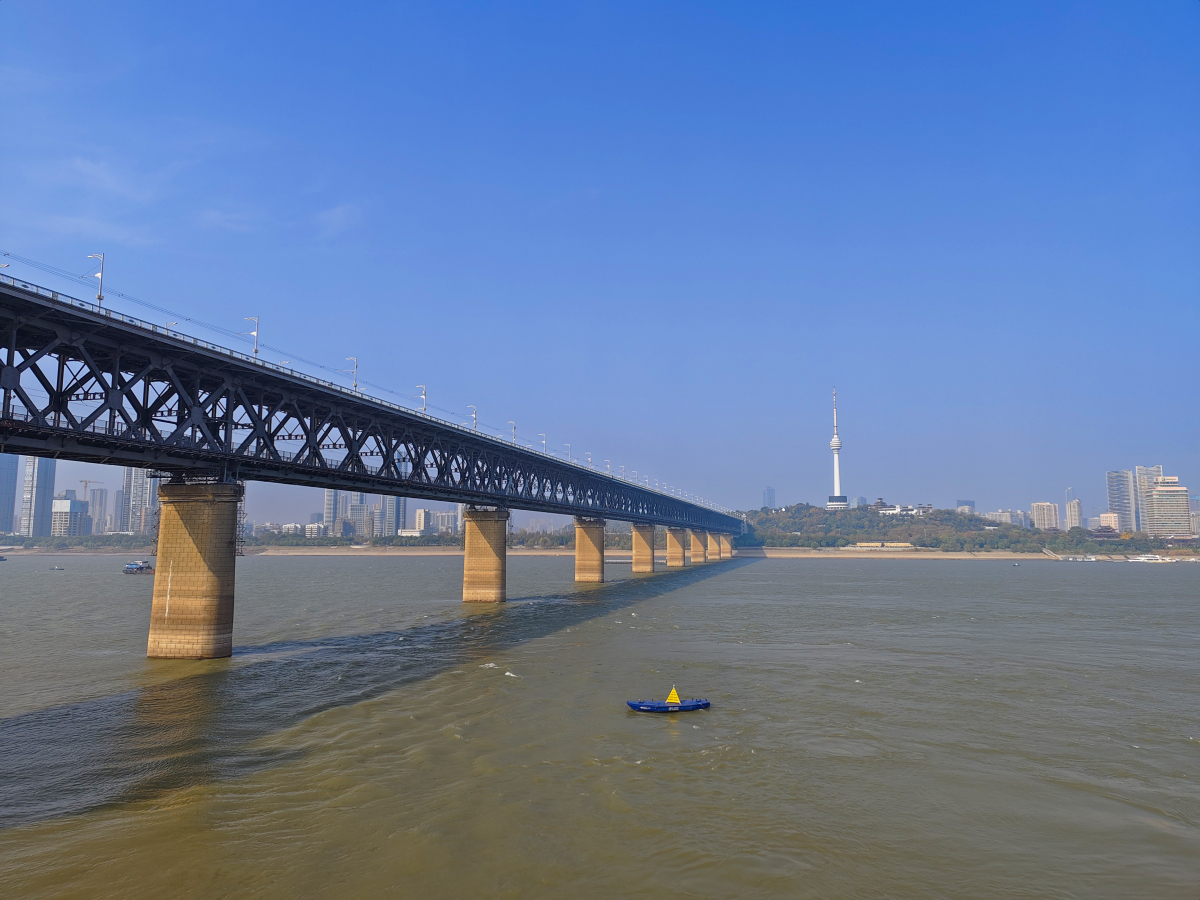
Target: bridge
[87, 383]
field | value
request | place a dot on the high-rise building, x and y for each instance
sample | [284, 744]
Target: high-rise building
[966, 507]
[1143, 481]
[315, 530]
[37, 497]
[69, 517]
[837, 500]
[1121, 502]
[1074, 514]
[1168, 512]
[98, 509]
[769, 497]
[1008, 517]
[445, 522]
[8, 492]
[1196, 521]
[360, 515]
[1044, 516]
[391, 516]
[423, 521]
[331, 513]
[138, 511]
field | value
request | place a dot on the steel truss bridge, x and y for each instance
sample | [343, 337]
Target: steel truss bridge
[85, 383]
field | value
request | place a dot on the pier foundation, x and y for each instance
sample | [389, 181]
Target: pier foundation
[699, 548]
[714, 547]
[643, 548]
[675, 553]
[726, 547]
[191, 614]
[589, 550]
[485, 560]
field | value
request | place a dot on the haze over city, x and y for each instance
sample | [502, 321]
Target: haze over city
[661, 234]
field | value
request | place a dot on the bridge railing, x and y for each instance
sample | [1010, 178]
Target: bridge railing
[96, 309]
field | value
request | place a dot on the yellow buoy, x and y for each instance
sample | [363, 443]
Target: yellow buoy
[673, 697]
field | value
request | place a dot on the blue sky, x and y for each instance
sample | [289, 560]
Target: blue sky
[661, 232]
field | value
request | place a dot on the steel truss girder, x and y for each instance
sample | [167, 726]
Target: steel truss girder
[85, 384]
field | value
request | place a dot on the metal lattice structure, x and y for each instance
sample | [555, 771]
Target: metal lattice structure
[84, 383]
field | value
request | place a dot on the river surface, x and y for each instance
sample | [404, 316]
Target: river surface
[878, 729]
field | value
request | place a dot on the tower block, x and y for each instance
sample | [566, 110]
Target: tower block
[485, 560]
[675, 552]
[191, 614]
[837, 500]
[643, 548]
[589, 550]
[699, 548]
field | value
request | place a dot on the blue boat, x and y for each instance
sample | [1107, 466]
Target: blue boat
[671, 704]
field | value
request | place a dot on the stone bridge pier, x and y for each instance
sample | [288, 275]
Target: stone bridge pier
[643, 548]
[485, 556]
[191, 615]
[589, 550]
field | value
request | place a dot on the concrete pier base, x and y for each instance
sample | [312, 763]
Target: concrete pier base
[714, 547]
[699, 548]
[485, 560]
[589, 550]
[675, 553]
[726, 547]
[643, 548]
[191, 615]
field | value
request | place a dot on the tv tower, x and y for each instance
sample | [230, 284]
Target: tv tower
[836, 500]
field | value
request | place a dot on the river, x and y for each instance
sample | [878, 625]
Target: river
[879, 728]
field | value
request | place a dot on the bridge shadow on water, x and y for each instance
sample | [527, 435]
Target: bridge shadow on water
[148, 741]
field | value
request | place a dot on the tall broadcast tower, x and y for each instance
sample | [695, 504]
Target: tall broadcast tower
[837, 500]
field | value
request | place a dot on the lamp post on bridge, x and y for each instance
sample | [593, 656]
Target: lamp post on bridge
[543, 437]
[514, 425]
[100, 275]
[607, 467]
[589, 456]
[353, 371]
[253, 319]
[422, 387]
[474, 418]
[568, 446]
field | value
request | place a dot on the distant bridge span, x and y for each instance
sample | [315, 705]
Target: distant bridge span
[85, 383]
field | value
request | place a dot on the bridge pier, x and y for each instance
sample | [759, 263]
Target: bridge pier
[675, 555]
[714, 547]
[191, 615]
[726, 547]
[643, 548]
[589, 550]
[698, 542]
[485, 560]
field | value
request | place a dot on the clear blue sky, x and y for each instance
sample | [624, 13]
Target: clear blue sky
[660, 231]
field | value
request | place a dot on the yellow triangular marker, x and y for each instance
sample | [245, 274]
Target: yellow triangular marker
[673, 697]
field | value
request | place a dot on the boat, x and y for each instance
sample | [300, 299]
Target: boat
[57, 569]
[1151, 558]
[139, 567]
[671, 704]
[3, 559]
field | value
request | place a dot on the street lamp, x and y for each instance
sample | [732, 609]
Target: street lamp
[589, 456]
[253, 319]
[514, 425]
[607, 467]
[622, 468]
[169, 324]
[422, 387]
[353, 371]
[543, 437]
[100, 275]
[474, 418]
[568, 446]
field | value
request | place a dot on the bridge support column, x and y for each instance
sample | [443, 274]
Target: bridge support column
[714, 547]
[643, 548]
[675, 556]
[485, 560]
[699, 542]
[726, 547]
[589, 550]
[191, 615]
